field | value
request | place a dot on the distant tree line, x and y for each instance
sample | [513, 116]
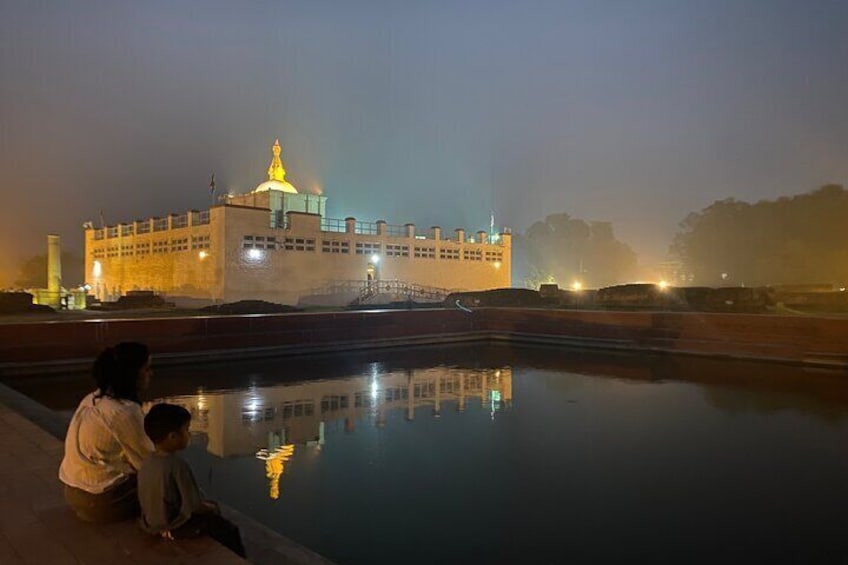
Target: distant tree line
[32, 272]
[565, 250]
[791, 240]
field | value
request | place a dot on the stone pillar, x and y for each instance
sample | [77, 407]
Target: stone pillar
[350, 225]
[54, 270]
[410, 231]
[482, 236]
[437, 232]
[460, 235]
[381, 227]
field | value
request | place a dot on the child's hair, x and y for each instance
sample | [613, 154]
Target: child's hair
[162, 419]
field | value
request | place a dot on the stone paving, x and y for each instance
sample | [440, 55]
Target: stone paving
[37, 527]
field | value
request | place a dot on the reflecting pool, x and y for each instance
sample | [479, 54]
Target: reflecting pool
[488, 454]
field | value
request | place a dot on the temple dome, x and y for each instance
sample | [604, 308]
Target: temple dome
[285, 186]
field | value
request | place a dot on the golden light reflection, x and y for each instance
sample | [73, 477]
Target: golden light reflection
[275, 466]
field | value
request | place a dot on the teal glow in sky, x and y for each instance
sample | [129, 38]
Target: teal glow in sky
[428, 112]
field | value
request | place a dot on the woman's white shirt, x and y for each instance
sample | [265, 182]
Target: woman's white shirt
[105, 444]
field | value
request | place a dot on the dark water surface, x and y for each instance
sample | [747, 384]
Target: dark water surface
[490, 454]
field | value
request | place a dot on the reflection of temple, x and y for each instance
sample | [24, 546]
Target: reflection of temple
[240, 422]
[275, 419]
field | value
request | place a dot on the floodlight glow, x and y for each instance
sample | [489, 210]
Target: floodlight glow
[663, 285]
[375, 258]
[97, 270]
[496, 264]
[202, 255]
[254, 254]
[576, 285]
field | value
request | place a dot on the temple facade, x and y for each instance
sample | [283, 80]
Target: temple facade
[275, 243]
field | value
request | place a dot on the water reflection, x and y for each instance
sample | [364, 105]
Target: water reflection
[675, 459]
[271, 422]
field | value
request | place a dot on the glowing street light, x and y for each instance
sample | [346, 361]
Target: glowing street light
[663, 285]
[576, 285]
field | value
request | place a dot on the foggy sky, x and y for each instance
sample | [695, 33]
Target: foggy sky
[432, 112]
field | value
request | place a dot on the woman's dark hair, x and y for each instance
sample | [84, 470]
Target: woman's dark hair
[163, 419]
[116, 370]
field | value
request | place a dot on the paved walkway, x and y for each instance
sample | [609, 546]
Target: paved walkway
[37, 527]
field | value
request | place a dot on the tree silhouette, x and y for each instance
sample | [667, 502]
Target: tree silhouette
[32, 272]
[791, 240]
[565, 250]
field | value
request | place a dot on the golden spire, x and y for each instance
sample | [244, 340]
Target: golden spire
[277, 171]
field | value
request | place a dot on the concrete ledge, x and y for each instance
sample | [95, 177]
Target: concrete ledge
[36, 526]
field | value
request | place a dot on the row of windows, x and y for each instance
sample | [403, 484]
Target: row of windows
[299, 244]
[179, 244]
[145, 248]
[397, 250]
[290, 409]
[329, 403]
[335, 247]
[364, 248]
[200, 242]
[472, 254]
[425, 252]
[259, 242]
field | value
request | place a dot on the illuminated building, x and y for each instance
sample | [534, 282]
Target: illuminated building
[276, 243]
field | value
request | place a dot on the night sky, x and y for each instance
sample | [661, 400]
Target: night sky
[432, 112]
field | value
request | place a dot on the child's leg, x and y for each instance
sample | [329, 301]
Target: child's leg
[215, 526]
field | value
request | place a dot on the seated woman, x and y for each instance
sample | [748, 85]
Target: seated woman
[106, 442]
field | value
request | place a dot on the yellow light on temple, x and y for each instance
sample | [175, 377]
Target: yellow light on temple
[202, 255]
[496, 264]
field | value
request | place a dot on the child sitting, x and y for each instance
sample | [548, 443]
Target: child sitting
[171, 503]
